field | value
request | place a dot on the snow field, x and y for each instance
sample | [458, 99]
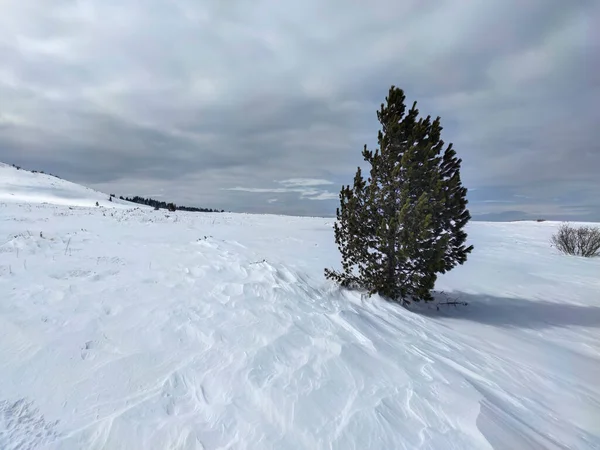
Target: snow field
[133, 328]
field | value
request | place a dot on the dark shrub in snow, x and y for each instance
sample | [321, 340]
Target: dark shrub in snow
[580, 241]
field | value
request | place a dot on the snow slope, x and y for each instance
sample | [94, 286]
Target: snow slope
[141, 329]
[22, 186]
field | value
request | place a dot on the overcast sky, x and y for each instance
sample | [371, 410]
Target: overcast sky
[265, 105]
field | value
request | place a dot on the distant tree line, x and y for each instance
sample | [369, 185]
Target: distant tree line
[36, 171]
[140, 200]
[156, 204]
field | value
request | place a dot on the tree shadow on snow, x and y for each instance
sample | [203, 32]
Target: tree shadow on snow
[512, 312]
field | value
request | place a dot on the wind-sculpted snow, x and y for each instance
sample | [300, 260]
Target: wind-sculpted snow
[140, 329]
[22, 427]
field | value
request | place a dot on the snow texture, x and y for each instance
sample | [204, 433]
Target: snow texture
[129, 328]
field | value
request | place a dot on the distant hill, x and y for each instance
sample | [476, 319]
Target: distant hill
[18, 185]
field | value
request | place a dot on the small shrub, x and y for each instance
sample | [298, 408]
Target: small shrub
[581, 241]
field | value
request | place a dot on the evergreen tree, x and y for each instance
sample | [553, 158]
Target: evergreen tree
[403, 225]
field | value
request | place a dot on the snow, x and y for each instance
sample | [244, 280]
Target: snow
[22, 186]
[129, 328]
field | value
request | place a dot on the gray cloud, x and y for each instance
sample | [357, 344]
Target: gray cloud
[306, 188]
[217, 103]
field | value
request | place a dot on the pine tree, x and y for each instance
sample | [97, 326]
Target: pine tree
[405, 224]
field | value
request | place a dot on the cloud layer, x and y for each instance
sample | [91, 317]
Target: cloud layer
[264, 106]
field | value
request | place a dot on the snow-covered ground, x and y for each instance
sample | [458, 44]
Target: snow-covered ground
[22, 186]
[129, 328]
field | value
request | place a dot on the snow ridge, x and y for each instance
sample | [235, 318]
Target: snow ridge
[23, 186]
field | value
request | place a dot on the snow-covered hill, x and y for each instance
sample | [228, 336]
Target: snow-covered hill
[141, 329]
[22, 186]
